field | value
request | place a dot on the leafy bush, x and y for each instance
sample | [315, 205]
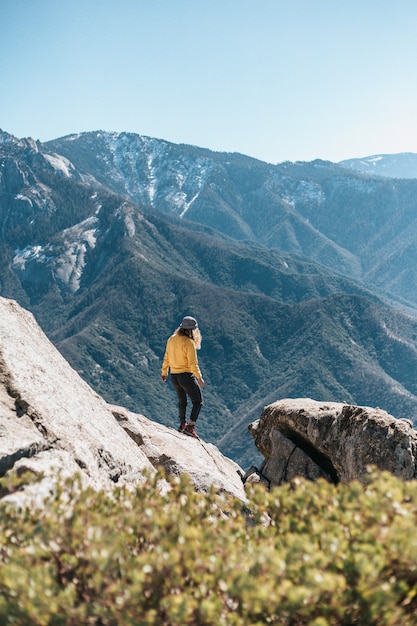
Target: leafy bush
[308, 553]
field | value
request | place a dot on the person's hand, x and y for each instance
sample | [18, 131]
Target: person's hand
[164, 378]
[200, 382]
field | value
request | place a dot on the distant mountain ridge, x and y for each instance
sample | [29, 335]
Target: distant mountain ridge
[402, 165]
[359, 226]
[111, 238]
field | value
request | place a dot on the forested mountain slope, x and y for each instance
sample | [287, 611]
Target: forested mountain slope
[109, 276]
[362, 226]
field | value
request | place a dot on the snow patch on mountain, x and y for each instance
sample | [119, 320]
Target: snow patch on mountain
[129, 160]
[402, 165]
[152, 179]
[24, 198]
[292, 191]
[154, 151]
[308, 190]
[30, 253]
[70, 264]
[126, 213]
[59, 163]
[150, 172]
[65, 259]
[187, 205]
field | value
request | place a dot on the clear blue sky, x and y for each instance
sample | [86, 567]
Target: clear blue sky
[274, 79]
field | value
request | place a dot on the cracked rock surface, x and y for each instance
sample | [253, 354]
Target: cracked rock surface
[304, 437]
[52, 422]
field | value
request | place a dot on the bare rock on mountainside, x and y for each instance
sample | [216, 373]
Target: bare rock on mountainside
[52, 422]
[303, 437]
[180, 454]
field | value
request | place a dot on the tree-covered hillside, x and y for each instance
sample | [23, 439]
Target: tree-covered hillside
[358, 225]
[109, 281]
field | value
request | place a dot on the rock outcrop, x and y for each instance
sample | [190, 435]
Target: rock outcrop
[303, 437]
[178, 454]
[53, 423]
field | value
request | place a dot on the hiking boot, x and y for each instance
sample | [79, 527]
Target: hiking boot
[190, 430]
[182, 427]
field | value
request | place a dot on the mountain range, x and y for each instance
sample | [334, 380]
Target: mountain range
[403, 165]
[301, 274]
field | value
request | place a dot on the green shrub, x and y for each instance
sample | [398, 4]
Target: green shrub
[307, 553]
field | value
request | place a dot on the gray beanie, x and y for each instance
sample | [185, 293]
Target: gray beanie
[189, 322]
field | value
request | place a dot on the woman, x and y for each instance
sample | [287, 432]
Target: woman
[181, 359]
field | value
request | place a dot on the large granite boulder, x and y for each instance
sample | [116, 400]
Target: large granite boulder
[303, 437]
[179, 454]
[53, 423]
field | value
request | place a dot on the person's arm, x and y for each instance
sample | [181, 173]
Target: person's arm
[165, 366]
[193, 362]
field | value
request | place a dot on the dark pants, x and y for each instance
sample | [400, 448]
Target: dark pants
[186, 385]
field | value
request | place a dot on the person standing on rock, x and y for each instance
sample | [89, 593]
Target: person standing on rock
[181, 359]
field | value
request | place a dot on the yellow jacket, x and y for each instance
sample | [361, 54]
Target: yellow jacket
[180, 356]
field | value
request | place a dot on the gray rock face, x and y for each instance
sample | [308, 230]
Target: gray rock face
[303, 437]
[52, 422]
[178, 454]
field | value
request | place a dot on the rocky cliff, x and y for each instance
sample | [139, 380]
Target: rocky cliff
[52, 423]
